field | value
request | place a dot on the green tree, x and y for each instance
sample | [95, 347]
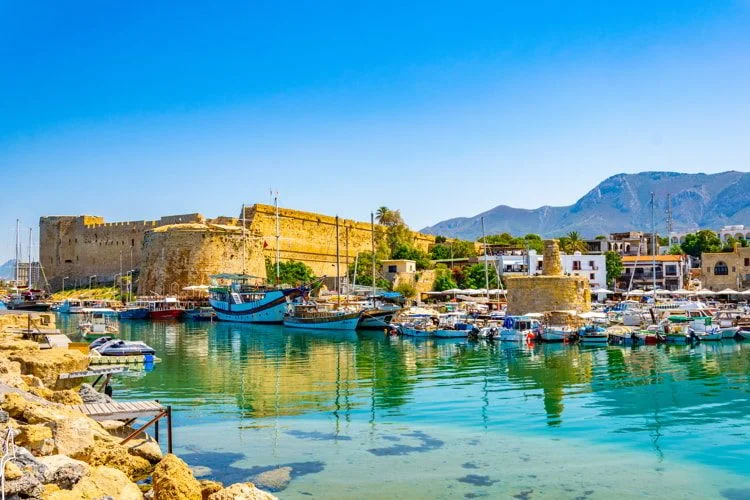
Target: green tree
[572, 242]
[403, 251]
[704, 241]
[363, 264]
[600, 237]
[534, 242]
[406, 289]
[381, 214]
[457, 249]
[290, 272]
[614, 267]
[663, 240]
[474, 277]
[443, 279]
[675, 250]
[440, 239]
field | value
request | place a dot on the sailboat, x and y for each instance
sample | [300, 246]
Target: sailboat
[30, 299]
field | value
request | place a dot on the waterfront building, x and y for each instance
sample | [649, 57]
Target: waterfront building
[671, 271]
[726, 270]
[593, 267]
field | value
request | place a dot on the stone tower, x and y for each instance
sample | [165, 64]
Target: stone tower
[552, 291]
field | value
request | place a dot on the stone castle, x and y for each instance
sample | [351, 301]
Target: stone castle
[181, 250]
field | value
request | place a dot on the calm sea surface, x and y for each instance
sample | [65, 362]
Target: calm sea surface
[358, 415]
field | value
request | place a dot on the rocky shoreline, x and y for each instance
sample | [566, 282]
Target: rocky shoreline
[52, 451]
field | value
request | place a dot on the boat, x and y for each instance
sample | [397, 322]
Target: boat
[727, 321]
[704, 329]
[519, 329]
[457, 331]
[311, 316]
[677, 330]
[96, 324]
[200, 314]
[119, 347]
[415, 330]
[560, 326]
[377, 318]
[31, 300]
[593, 334]
[166, 308]
[134, 312]
[71, 306]
[245, 303]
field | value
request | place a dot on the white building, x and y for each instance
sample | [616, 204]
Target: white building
[735, 231]
[593, 267]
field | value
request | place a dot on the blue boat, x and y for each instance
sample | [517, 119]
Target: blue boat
[246, 303]
[134, 313]
[310, 317]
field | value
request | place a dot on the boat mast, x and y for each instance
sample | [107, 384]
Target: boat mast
[338, 263]
[244, 248]
[372, 249]
[18, 237]
[278, 235]
[486, 272]
[653, 247]
[29, 276]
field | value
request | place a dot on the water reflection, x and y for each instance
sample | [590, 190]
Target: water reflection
[651, 397]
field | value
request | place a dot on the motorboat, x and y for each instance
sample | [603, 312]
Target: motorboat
[165, 308]
[593, 334]
[97, 324]
[520, 329]
[71, 306]
[727, 321]
[119, 347]
[200, 314]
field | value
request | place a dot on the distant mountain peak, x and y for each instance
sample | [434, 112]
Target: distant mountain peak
[622, 202]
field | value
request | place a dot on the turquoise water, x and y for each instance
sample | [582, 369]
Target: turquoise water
[358, 415]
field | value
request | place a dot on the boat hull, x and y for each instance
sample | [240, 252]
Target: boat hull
[271, 309]
[594, 339]
[166, 314]
[347, 322]
[139, 313]
[550, 335]
[450, 334]
[415, 332]
[729, 332]
[30, 306]
[375, 320]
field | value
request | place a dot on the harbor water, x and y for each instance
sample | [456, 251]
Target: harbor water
[361, 415]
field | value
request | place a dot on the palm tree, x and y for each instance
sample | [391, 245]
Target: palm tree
[381, 214]
[574, 243]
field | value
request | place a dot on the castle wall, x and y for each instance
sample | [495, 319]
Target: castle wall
[311, 238]
[179, 255]
[77, 247]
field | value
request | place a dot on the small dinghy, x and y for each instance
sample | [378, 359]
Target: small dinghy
[119, 347]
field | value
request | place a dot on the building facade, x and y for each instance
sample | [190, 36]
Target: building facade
[669, 271]
[726, 270]
[593, 267]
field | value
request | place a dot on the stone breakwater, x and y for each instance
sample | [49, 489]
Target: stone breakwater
[55, 452]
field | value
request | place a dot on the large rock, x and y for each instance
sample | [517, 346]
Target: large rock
[173, 479]
[208, 488]
[64, 471]
[28, 463]
[10, 374]
[12, 471]
[48, 364]
[148, 449]
[66, 397]
[102, 482]
[89, 395]
[241, 491]
[75, 436]
[26, 486]
[37, 438]
[15, 404]
[112, 454]
[275, 480]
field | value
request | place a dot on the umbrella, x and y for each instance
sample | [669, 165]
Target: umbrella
[746, 292]
[705, 292]
[661, 291]
[727, 291]
[602, 290]
[682, 291]
[635, 293]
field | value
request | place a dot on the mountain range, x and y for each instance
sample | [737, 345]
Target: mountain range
[622, 203]
[8, 270]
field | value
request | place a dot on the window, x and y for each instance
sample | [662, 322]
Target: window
[392, 269]
[592, 264]
[747, 262]
[576, 265]
[721, 269]
[592, 276]
[540, 265]
[671, 270]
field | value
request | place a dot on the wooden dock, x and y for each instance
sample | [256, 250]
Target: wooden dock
[130, 411]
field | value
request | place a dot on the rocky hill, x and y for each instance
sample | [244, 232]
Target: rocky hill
[621, 203]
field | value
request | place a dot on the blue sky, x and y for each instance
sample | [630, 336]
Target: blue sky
[132, 110]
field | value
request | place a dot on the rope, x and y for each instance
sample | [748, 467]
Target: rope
[9, 453]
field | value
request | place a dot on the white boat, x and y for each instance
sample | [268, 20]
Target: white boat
[558, 333]
[744, 334]
[727, 321]
[519, 329]
[377, 318]
[245, 303]
[412, 330]
[97, 324]
[311, 317]
[592, 334]
[71, 306]
[451, 333]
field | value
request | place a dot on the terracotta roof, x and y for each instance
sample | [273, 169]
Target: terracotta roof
[650, 258]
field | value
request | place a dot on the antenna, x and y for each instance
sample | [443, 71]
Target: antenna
[669, 214]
